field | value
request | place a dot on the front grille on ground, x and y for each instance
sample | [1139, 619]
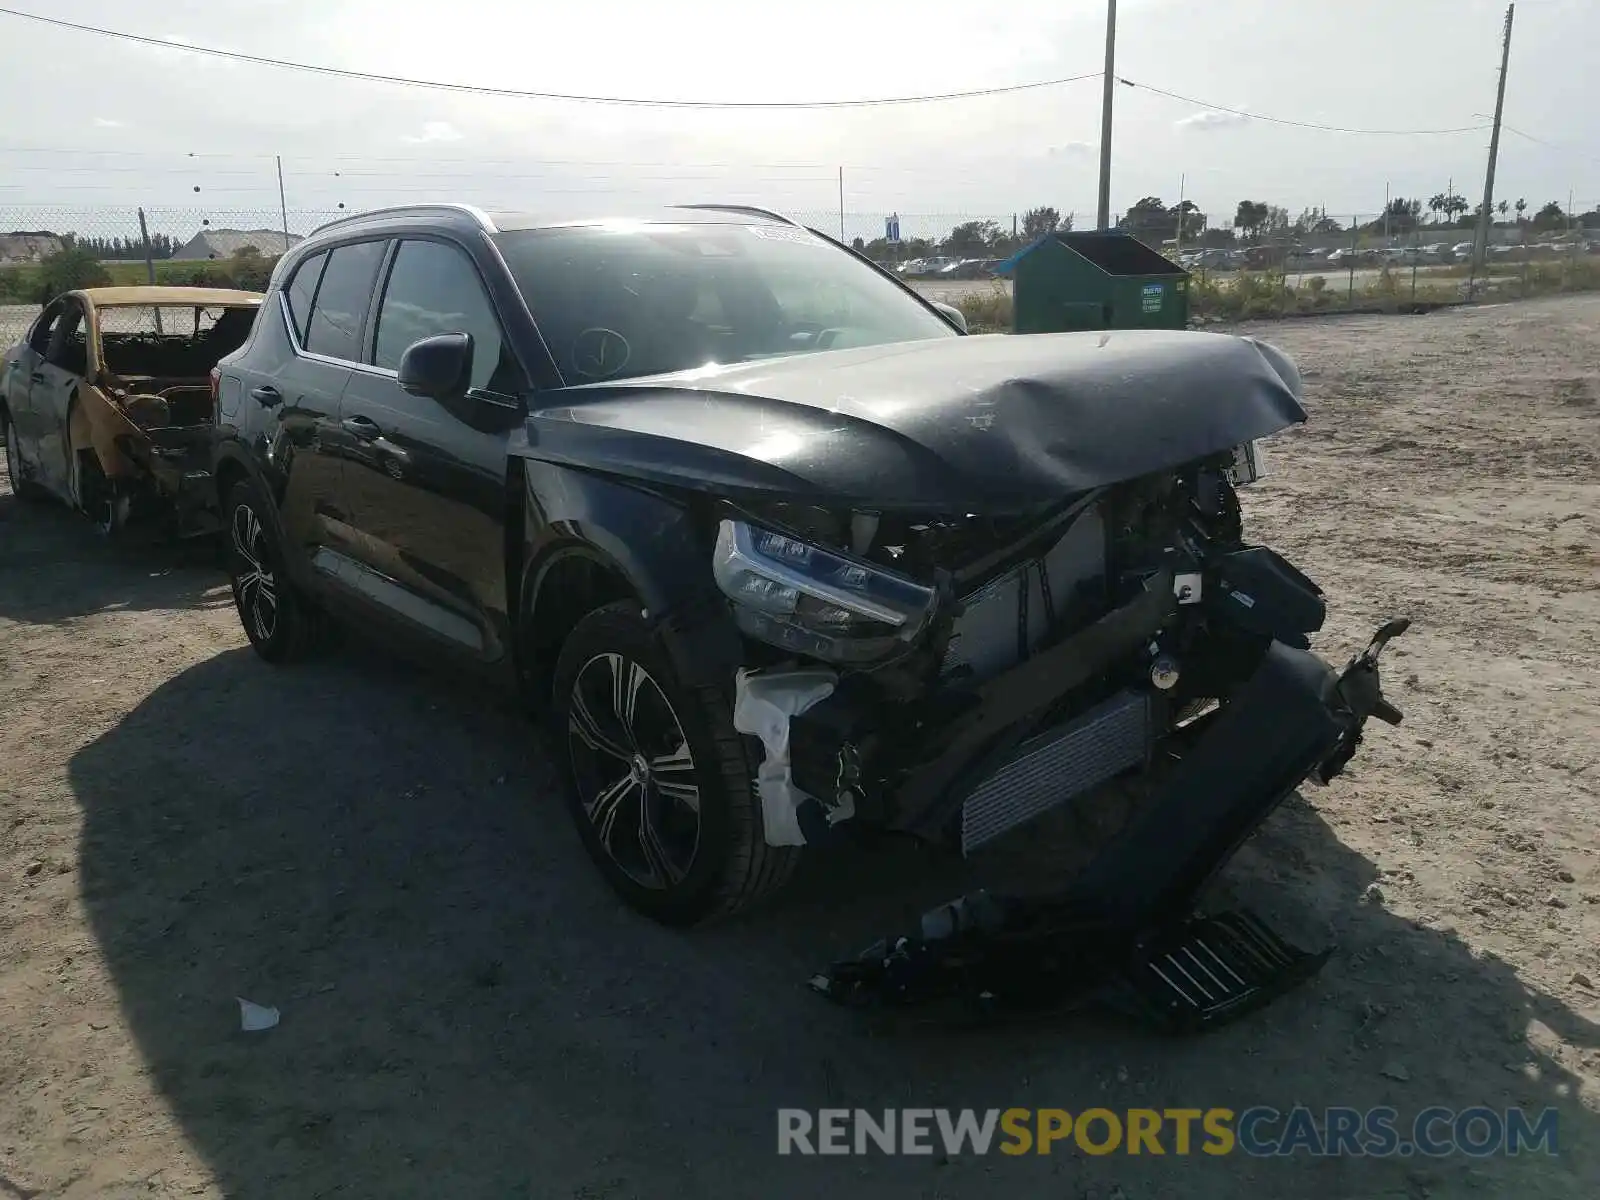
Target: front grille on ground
[1055, 766]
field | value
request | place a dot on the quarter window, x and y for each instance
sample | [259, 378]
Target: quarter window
[433, 288]
[341, 304]
[302, 288]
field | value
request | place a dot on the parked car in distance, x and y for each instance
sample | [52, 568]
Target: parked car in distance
[774, 546]
[106, 402]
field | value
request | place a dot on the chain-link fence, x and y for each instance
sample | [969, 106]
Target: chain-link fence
[1319, 263]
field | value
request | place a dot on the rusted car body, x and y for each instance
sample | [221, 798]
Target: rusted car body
[107, 404]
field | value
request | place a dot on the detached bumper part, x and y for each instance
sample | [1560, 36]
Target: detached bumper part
[763, 705]
[1123, 933]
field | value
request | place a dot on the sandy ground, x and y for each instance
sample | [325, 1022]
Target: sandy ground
[467, 1012]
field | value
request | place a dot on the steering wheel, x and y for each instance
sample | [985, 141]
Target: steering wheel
[599, 352]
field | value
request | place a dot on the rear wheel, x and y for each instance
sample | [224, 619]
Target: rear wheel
[279, 620]
[660, 785]
[22, 489]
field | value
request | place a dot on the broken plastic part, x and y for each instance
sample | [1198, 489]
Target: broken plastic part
[762, 707]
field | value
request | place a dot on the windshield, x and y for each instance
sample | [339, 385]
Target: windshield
[621, 301]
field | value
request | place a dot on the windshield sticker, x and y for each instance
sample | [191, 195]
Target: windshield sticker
[782, 233]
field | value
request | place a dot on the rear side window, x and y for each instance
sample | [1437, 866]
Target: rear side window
[342, 297]
[433, 288]
[300, 291]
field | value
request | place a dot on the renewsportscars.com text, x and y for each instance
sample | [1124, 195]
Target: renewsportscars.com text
[1259, 1131]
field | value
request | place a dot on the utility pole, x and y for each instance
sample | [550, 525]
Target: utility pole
[1177, 245]
[283, 205]
[150, 262]
[841, 204]
[1109, 83]
[1480, 243]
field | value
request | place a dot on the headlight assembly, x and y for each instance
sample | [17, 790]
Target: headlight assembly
[815, 601]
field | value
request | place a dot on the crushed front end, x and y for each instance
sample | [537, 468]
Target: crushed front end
[958, 677]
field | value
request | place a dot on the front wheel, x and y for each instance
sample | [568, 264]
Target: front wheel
[660, 786]
[21, 488]
[280, 622]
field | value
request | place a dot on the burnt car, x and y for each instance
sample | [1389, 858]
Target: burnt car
[106, 402]
[778, 549]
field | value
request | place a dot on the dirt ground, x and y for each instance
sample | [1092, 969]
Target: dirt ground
[467, 1012]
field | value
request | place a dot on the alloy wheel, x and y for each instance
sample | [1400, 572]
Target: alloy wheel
[634, 770]
[253, 581]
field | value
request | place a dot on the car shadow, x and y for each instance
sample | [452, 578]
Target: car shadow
[56, 566]
[466, 1010]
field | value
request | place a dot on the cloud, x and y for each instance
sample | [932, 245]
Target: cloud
[107, 123]
[1071, 150]
[434, 131]
[1212, 118]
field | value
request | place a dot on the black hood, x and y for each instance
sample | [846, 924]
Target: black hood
[994, 424]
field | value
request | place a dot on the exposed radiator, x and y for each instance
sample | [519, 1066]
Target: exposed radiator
[1057, 765]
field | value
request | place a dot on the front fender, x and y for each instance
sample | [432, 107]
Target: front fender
[647, 538]
[657, 543]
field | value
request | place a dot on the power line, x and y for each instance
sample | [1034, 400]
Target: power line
[1254, 116]
[482, 90]
[1566, 148]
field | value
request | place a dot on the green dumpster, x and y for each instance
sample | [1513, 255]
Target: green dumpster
[1068, 281]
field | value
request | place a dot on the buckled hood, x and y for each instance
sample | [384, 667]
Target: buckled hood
[990, 424]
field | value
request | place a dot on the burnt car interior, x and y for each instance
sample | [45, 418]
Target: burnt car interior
[165, 367]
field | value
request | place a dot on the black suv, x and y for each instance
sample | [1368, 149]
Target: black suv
[774, 544]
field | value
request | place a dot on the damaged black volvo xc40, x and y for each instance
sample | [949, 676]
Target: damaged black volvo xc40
[778, 547]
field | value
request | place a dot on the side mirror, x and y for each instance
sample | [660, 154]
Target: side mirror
[952, 314]
[438, 367]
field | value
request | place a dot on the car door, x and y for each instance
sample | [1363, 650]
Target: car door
[427, 487]
[52, 384]
[288, 393]
[21, 368]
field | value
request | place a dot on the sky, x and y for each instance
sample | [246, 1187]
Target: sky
[113, 124]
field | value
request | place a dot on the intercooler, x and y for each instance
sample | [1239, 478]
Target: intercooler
[1057, 765]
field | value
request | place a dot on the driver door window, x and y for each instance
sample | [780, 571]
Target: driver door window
[39, 337]
[68, 348]
[433, 288]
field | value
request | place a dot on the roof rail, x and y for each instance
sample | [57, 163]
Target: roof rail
[469, 210]
[747, 209]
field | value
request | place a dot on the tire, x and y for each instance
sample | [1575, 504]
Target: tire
[97, 497]
[665, 802]
[22, 489]
[281, 623]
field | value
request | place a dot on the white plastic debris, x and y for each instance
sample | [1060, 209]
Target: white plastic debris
[255, 1017]
[762, 706]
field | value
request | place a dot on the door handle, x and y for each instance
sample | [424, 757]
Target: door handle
[266, 395]
[37, 377]
[364, 428]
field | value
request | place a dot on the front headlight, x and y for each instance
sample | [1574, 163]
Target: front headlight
[814, 601]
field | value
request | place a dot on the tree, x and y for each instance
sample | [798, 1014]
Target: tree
[73, 266]
[1250, 218]
[1551, 216]
[857, 245]
[1150, 220]
[971, 239]
[1400, 216]
[1521, 206]
[1188, 219]
[1037, 222]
